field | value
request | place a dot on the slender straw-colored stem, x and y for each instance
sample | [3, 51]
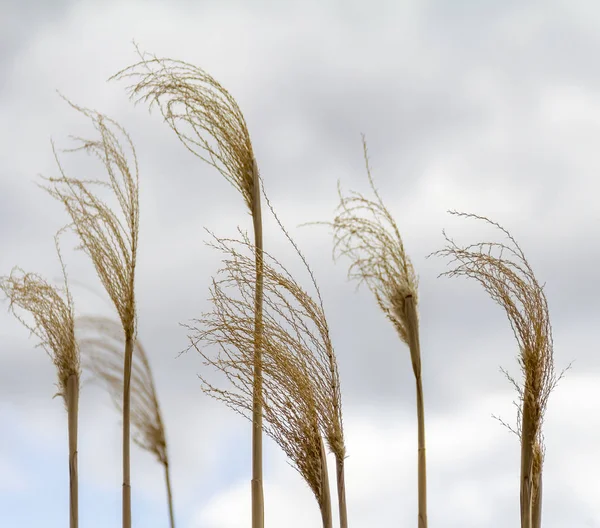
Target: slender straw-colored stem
[341, 489]
[325, 491]
[126, 429]
[415, 354]
[258, 508]
[169, 495]
[527, 440]
[72, 414]
[536, 511]
[422, 457]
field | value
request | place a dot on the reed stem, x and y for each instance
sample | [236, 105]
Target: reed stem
[126, 430]
[341, 489]
[325, 491]
[72, 415]
[536, 512]
[415, 354]
[258, 509]
[527, 440]
[169, 495]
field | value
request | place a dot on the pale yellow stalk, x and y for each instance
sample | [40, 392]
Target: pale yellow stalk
[102, 343]
[111, 242]
[510, 281]
[72, 399]
[258, 508]
[325, 491]
[415, 353]
[54, 325]
[365, 231]
[190, 98]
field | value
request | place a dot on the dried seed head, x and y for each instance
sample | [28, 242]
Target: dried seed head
[196, 106]
[53, 315]
[102, 343]
[365, 231]
[508, 278]
[298, 400]
[110, 241]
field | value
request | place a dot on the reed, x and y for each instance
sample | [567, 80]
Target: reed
[536, 497]
[325, 363]
[196, 106]
[366, 233]
[53, 323]
[507, 277]
[101, 341]
[111, 242]
[297, 396]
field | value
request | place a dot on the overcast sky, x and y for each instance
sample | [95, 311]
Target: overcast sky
[487, 107]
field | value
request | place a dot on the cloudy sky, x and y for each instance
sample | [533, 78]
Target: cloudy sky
[482, 106]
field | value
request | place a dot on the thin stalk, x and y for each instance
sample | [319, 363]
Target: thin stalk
[325, 491]
[72, 398]
[536, 511]
[536, 499]
[527, 440]
[169, 495]
[258, 508]
[415, 354]
[509, 280]
[126, 431]
[53, 324]
[341, 490]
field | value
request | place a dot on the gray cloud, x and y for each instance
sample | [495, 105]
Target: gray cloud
[490, 108]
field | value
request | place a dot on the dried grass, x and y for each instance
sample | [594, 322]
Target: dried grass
[195, 105]
[111, 242]
[102, 342]
[198, 108]
[53, 316]
[366, 233]
[298, 400]
[507, 277]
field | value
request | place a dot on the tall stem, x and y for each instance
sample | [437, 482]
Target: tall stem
[72, 414]
[415, 354]
[536, 512]
[341, 489]
[258, 513]
[527, 440]
[126, 434]
[325, 491]
[169, 495]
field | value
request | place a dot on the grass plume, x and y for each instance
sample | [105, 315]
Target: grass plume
[101, 341]
[198, 108]
[298, 400]
[111, 242]
[507, 277]
[53, 316]
[366, 233]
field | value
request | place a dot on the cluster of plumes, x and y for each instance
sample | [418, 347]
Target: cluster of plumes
[301, 397]
[110, 241]
[195, 105]
[207, 120]
[53, 315]
[505, 274]
[102, 344]
[365, 231]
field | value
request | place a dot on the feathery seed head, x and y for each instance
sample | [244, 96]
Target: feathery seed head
[508, 278]
[365, 231]
[197, 108]
[110, 241]
[297, 373]
[102, 343]
[53, 315]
